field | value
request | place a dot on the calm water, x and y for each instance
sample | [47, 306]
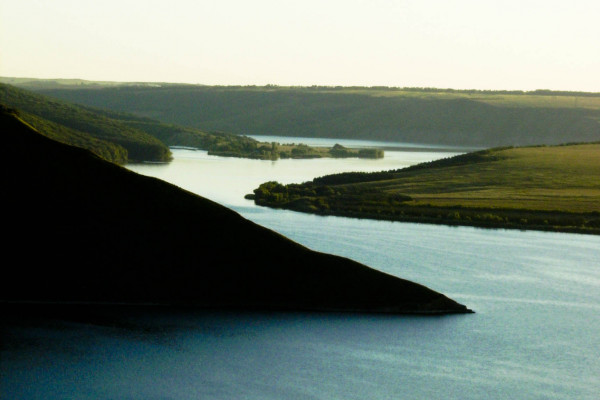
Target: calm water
[535, 334]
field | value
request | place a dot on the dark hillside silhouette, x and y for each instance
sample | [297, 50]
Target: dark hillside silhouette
[80, 229]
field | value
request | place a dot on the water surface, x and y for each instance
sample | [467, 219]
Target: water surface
[534, 336]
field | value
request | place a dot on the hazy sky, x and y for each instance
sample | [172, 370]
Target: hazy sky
[522, 44]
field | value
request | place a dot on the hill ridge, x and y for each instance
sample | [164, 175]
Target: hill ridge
[429, 117]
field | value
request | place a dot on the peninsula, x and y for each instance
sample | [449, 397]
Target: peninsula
[554, 188]
[84, 230]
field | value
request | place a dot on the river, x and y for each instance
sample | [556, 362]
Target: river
[535, 334]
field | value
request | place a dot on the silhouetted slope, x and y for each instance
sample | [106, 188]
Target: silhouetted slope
[82, 229]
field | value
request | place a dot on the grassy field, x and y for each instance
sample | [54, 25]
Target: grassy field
[546, 188]
[565, 178]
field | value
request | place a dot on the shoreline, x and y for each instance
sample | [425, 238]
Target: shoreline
[488, 224]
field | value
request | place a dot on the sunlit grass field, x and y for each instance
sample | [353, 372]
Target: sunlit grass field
[565, 178]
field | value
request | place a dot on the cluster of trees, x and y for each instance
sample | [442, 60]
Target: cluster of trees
[240, 146]
[340, 151]
[323, 199]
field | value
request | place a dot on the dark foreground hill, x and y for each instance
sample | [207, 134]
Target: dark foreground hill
[80, 229]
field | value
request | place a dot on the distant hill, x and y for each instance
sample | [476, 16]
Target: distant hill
[418, 115]
[85, 230]
[553, 188]
[36, 83]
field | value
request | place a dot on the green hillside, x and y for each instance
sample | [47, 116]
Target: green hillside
[434, 116]
[544, 188]
[121, 137]
[91, 232]
[84, 127]
[105, 149]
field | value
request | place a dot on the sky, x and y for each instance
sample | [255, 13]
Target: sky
[459, 44]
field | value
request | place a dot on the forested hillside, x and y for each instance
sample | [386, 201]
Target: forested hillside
[84, 127]
[432, 116]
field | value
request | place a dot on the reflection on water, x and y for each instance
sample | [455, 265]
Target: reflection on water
[534, 336]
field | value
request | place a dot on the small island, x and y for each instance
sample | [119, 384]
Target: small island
[551, 188]
[275, 151]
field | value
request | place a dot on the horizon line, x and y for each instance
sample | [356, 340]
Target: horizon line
[327, 86]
